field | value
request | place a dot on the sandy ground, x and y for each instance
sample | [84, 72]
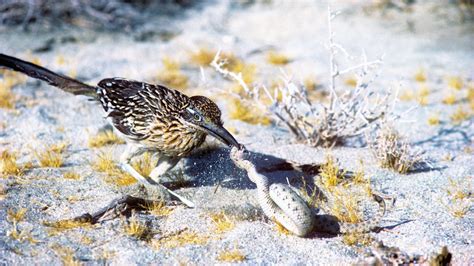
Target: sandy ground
[424, 38]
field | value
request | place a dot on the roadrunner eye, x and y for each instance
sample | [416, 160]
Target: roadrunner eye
[197, 117]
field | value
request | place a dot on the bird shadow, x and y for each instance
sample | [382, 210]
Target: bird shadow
[214, 167]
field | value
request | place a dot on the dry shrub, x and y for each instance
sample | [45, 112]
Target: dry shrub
[392, 152]
[347, 114]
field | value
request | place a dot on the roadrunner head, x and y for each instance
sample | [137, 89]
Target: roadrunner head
[203, 114]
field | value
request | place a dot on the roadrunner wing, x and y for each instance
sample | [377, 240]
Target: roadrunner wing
[135, 107]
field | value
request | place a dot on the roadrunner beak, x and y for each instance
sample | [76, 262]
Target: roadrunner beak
[221, 134]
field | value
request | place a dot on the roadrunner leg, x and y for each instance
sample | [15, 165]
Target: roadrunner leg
[164, 165]
[134, 150]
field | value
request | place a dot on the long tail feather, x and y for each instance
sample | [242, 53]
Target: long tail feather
[65, 83]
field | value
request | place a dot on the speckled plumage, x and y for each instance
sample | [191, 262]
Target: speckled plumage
[151, 114]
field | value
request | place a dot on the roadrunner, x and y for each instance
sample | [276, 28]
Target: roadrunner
[149, 117]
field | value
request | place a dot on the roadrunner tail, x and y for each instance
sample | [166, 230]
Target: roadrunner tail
[65, 83]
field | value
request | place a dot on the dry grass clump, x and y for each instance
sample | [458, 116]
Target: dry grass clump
[60, 226]
[433, 119]
[245, 112]
[16, 215]
[171, 75]
[202, 57]
[107, 137]
[66, 254]
[145, 164]
[420, 75]
[104, 163]
[8, 80]
[222, 222]
[136, 228]
[346, 205]
[461, 114]
[351, 81]
[423, 93]
[232, 255]
[72, 176]
[280, 228]
[179, 239]
[9, 165]
[449, 99]
[21, 235]
[406, 95]
[460, 198]
[159, 209]
[276, 58]
[392, 152]
[330, 173]
[51, 156]
[455, 82]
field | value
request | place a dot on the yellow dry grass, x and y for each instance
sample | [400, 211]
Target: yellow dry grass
[9, 165]
[281, 229]
[459, 197]
[21, 235]
[179, 239]
[60, 226]
[346, 205]
[145, 164]
[455, 82]
[433, 119]
[245, 112]
[276, 58]
[330, 174]
[71, 176]
[351, 81]
[104, 163]
[171, 75]
[234, 255]
[222, 222]
[420, 75]
[159, 209]
[104, 138]
[461, 114]
[449, 99]
[8, 80]
[407, 95]
[16, 215]
[202, 57]
[51, 156]
[66, 254]
[135, 228]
